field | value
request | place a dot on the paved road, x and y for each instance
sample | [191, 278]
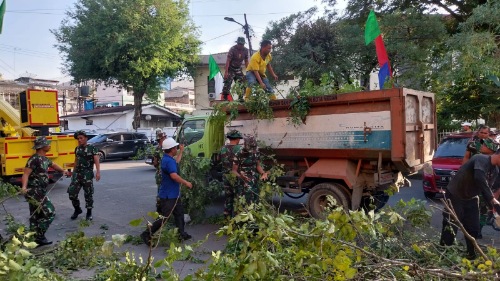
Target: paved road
[127, 192]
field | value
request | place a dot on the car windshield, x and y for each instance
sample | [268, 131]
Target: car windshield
[452, 147]
[98, 138]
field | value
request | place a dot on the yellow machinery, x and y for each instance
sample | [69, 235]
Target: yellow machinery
[39, 111]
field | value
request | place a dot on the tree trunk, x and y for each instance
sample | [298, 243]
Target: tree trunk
[136, 123]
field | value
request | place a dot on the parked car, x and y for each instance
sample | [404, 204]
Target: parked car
[445, 164]
[119, 145]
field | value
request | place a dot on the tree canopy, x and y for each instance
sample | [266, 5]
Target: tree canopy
[448, 47]
[134, 44]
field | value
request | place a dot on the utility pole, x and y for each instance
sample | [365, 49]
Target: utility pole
[246, 29]
[247, 33]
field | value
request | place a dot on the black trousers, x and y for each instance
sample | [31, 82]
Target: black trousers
[168, 207]
[468, 214]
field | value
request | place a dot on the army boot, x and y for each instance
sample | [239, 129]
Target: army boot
[78, 211]
[89, 215]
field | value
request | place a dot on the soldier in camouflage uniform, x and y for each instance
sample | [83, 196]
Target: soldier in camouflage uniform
[247, 168]
[34, 187]
[227, 154]
[481, 143]
[157, 155]
[232, 71]
[86, 156]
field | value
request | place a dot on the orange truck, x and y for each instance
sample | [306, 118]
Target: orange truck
[38, 111]
[352, 146]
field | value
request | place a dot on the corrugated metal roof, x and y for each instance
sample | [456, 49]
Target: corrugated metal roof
[117, 109]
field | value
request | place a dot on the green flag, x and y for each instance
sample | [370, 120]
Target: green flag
[212, 67]
[372, 30]
[2, 13]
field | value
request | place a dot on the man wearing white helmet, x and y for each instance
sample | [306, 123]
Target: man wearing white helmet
[169, 193]
[157, 156]
[466, 127]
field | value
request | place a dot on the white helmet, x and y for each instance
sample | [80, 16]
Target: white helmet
[169, 143]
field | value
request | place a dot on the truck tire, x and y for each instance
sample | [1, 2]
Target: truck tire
[318, 198]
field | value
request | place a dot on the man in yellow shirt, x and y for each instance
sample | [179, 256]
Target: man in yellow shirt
[256, 69]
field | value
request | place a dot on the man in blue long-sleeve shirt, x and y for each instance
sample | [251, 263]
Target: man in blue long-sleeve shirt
[169, 193]
[476, 176]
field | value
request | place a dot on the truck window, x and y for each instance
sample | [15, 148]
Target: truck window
[192, 131]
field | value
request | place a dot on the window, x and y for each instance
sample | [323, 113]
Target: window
[211, 85]
[128, 137]
[192, 131]
[452, 147]
[116, 137]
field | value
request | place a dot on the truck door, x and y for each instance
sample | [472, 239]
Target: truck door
[192, 134]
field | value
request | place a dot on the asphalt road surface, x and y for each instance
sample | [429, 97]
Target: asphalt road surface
[126, 192]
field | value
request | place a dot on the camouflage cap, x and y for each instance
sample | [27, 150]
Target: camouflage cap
[240, 40]
[78, 133]
[41, 142]
[234, 134]
[250, 143]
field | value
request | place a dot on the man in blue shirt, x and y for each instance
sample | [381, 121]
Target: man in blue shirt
[169, 193]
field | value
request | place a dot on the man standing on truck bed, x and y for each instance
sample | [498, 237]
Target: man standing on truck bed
[34, 187]
[256, 69]
[236, 55]
[227, 153]
[477, 176]
[246, 166]
[86, 156]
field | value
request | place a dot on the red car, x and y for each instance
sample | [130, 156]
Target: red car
[445, 164]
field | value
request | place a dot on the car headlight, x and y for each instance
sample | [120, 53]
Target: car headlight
[428, 169]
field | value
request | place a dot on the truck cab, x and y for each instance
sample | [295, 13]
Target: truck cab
[202, 137]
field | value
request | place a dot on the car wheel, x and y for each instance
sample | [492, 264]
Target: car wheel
[101, 156]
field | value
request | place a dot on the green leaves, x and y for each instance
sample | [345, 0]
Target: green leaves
[123, 43]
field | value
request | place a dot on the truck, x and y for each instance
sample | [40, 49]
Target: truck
[352, 146]
[19, 128]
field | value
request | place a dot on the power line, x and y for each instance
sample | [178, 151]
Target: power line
[221, 35]
[261, 14]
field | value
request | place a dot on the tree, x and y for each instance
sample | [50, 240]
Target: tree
[469, 70]
[134, 44]
[309, 48]
[459, 10]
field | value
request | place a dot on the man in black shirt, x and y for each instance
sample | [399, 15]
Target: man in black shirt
[476, 176]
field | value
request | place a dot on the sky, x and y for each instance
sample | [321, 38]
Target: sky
[27, 45]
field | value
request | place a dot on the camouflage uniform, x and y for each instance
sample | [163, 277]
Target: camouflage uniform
[247, 159]
[83, 176]
[235, 57]
[42, 211]
[227, 154]
[158, 154]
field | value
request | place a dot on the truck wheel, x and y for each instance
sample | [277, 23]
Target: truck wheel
[101, 156]
[317, 200]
